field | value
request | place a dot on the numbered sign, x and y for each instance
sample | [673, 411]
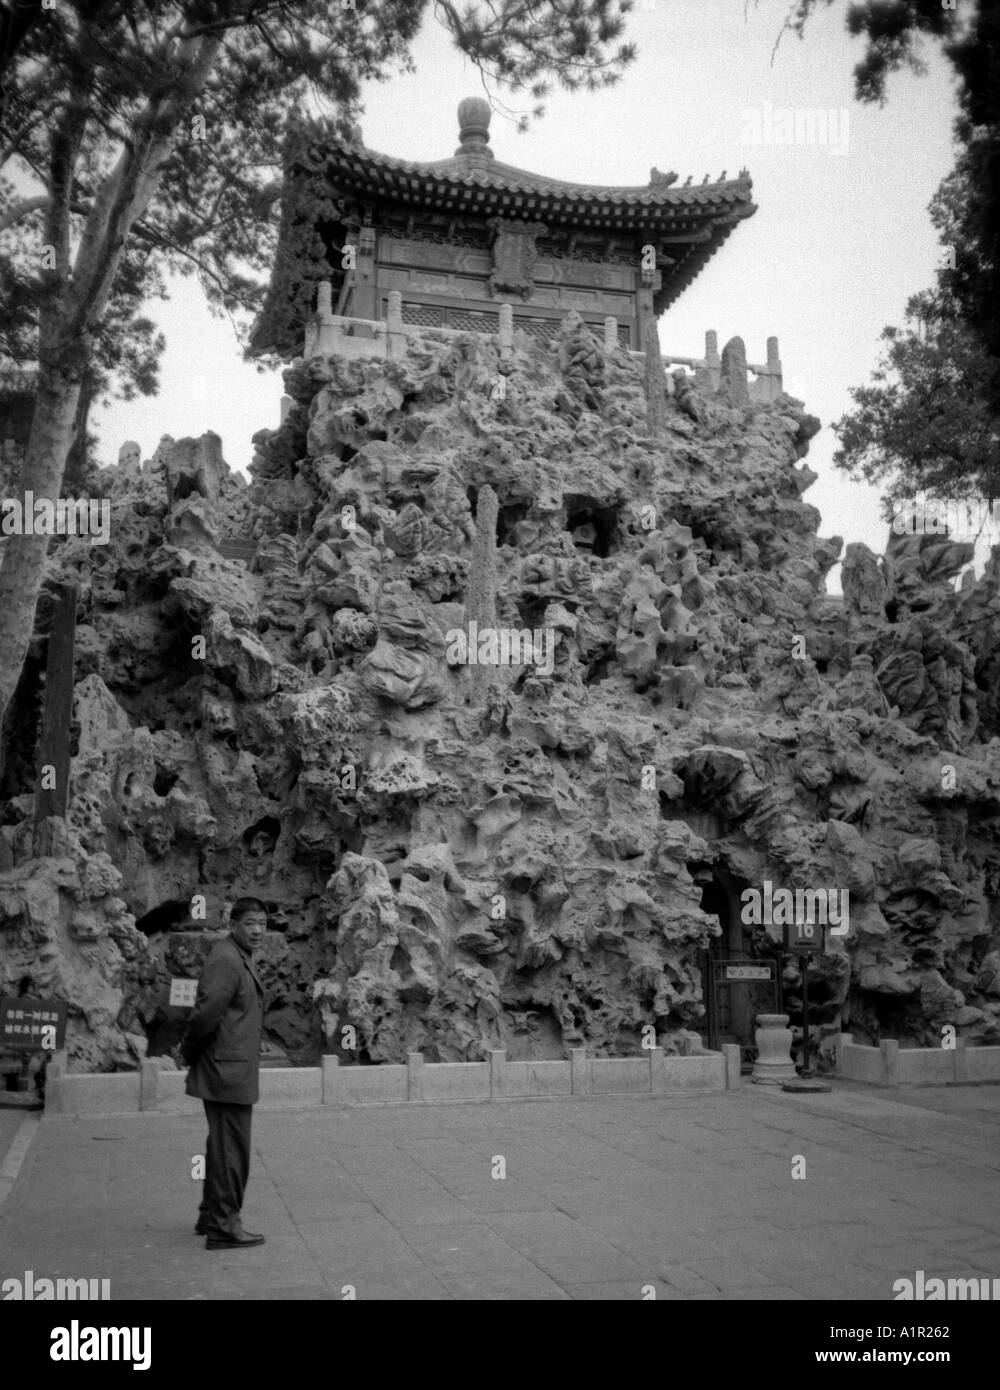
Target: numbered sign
[34, 1025]
[183, 992]
[803, 938]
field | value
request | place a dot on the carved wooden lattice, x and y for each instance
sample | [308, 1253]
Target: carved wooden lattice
[543, 330]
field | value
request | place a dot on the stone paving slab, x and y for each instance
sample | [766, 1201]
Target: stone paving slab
[604, 1199]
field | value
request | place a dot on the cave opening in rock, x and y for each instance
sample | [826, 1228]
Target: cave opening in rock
[262, 837]
[707, 802]
[704, 823]
[163, 780]
[707, 531]
[593, 529]
[599, 667]
[165, 917]
[531, 610]
[733, 992]
[531, 1031]
[893, 1015]
[508, 519]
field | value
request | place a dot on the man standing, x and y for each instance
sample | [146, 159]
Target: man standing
[222, 1048]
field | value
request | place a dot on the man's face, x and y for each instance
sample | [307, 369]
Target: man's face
[249, 931]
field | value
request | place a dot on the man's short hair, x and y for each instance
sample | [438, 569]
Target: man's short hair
[242, 906]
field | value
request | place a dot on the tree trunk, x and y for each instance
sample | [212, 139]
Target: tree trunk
[22, 558]
[67, 320]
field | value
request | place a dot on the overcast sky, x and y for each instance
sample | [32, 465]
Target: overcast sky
[840, 240]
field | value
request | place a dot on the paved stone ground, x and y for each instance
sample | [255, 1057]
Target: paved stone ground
[601, 1198]
[10, 1123]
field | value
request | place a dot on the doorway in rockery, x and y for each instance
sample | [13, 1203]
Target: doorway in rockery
[740, 971]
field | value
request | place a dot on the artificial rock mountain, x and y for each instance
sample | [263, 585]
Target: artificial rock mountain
[462, 857]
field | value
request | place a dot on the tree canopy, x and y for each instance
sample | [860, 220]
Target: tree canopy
[91, 87]
[929, 420]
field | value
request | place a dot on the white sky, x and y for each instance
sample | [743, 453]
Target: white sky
[838, 244]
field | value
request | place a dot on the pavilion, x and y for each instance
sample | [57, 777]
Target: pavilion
[457, 238]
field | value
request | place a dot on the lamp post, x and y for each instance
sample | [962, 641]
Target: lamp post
[802, 939]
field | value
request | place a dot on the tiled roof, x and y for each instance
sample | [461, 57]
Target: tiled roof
[467, 174]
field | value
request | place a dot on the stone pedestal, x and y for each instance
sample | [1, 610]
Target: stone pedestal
[774, 1051]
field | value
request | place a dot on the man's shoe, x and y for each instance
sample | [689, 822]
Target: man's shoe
[222, 1240]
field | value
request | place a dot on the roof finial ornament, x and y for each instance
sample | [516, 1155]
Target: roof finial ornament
[656, 179]
[474, 126]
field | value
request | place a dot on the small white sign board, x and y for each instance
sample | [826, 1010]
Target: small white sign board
[183, 992]
[748, 972]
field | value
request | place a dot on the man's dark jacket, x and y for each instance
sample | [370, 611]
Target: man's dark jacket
[222, 1042]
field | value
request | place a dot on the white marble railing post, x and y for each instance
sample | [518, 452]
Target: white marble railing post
[774, 369]
[396, 340]
[768, 385]
[713, 362]
[322, 338]
[610, 335]
[505, 329]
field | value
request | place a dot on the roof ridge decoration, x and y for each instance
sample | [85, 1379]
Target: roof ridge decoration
[475, 162]
[474, 115]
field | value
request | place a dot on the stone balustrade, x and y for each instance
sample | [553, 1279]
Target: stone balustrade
[333, 334]
[157, 1086]
[767, 383]
[330, 334]
[892, 1065]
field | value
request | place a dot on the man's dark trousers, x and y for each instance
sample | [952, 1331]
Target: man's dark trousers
[227, 1165]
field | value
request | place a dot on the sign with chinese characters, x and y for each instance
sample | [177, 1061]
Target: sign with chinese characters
[802, 938]
[33, 1025]
[514, 255]
[749, 972]
[183, 992]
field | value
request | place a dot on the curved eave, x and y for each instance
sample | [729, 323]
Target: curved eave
[475, 184]
[696, 260]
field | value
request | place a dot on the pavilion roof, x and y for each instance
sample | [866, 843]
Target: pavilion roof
[472, 179]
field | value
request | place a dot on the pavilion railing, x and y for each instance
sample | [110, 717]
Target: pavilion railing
[330, 334]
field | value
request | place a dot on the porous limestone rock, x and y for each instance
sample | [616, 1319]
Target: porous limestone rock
[530, 857]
